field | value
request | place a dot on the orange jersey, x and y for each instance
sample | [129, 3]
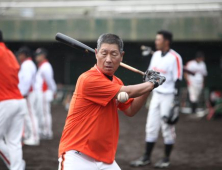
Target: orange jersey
[92, 124]
[8, 75]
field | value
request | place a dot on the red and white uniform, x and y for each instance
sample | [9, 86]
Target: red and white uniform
[45, 87]
[12, 111]
[27, 75]
[169, 66]
[196, 82]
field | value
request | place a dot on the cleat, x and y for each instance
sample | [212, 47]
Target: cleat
[163, 163]
[142, 161]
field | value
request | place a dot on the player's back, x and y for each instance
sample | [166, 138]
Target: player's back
[8, 75]
[44, 78]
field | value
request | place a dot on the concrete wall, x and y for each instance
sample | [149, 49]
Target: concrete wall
[138, 29]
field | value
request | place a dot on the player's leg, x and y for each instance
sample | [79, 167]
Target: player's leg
[48, 134]
[14, 135]
[4, 124]
[168, 131]
[39, 111]
[152, 131]
[31, 122]
[76, 160]
[193, 96]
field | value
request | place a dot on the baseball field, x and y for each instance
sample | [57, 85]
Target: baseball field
[198, 144]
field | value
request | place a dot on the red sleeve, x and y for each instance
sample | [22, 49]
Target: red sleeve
[99, 89]
[126, 105]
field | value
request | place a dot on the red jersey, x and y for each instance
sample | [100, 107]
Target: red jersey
[92, 125]
[8, 75]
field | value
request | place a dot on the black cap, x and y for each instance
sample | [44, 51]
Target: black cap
[1, 36]
[41, 51]
[25, 50]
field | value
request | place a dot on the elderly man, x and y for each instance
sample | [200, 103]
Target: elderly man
[90, 136]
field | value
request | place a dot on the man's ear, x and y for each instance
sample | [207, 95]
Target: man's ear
[96, 52]
[122, 54]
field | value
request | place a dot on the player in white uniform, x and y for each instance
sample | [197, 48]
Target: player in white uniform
[13, 108]
[195, 83]
[45, 87]
[169, 64]
[27, 75]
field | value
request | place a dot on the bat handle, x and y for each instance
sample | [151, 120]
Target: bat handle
[132, 68]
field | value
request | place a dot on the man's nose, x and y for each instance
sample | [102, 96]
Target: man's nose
[108, 58]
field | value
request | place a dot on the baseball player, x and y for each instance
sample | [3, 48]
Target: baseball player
[45, 87]
[27, 75]
[195, 83]
[12, 110]
[90, 136]
[169, 63]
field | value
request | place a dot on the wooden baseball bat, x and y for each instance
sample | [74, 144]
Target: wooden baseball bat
[77, 44]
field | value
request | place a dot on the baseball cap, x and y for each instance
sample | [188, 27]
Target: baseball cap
[25, 50]
[40, 51]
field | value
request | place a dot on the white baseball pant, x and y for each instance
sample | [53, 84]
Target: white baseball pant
[160, 106]
[44, 114]
[79, 161]
[12, 114]
[194, 93]
[31, 120]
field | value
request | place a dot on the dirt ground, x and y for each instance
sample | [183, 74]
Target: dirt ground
[198, 146]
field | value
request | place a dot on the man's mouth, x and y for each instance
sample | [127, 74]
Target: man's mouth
[108, 67]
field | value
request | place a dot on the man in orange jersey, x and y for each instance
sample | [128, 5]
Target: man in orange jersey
[90, 136]
[12, 110]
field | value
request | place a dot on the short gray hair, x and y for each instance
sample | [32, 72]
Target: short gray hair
[110, 39]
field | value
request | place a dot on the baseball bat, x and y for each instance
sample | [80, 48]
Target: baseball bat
[77, 44]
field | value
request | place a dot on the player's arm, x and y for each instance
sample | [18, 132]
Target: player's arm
[25, 80]
[48, 77]
[137, 90]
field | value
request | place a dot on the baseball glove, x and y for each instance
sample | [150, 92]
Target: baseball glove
[154, 77]
[173, 116]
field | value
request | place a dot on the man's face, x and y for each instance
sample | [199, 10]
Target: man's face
[21, 57]
[40, 58]
[108, 58]
[200, 59]
[160, 42]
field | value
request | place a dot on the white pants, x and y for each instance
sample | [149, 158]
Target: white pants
[44, 114]
[31, 130]
[194, 93]
[73, 160]
[160, 106]
[12, 114]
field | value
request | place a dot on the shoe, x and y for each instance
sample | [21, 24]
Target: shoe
[142, 161]
[23, 164]
[31, 142]
[163, 163]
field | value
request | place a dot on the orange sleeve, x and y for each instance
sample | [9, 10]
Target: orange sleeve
[99, 89]
[126, 105]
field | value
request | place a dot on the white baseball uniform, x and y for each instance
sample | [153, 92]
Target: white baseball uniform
[170, 66]
[195, 82]
[79, 161]
[45, 87]
[12, 111]
[27, 75]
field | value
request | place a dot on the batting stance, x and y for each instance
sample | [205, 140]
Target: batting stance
[45, 87]
[90, 136]
[27, 75]
[12, 110]
[195, 83]
[169, 64]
